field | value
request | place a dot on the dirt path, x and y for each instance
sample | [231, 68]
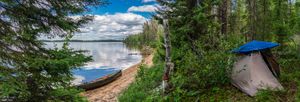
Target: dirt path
[109, 92]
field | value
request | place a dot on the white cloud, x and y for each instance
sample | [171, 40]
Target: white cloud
[110, 26]
[146, 1]
[144, 8]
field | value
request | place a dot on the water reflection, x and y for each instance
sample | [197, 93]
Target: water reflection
[107, 57]
[104, 54]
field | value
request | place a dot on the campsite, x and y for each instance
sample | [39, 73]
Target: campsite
[255, 70]
[150, 50]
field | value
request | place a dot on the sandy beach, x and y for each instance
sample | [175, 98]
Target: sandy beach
[109, 92]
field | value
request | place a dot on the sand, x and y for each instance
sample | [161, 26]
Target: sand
[109, 92]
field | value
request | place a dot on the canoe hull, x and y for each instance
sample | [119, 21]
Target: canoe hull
[100, 82]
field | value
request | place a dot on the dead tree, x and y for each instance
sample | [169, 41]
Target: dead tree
[168, 64]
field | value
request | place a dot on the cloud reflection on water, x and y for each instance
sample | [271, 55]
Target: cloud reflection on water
[104, 54]
[107, 56]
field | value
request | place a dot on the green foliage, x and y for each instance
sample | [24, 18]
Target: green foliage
[146, 88]
[289, 60]
[42, 76]
[151, 33]
[268, 96]
[68, 94]
[28, 71]
[147, 85]
[199, 76]
[201, 51]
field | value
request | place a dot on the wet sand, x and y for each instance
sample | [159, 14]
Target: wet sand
[109, 92]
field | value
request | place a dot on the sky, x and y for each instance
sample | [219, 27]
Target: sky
[116, 20]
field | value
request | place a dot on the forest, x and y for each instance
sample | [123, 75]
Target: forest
[202, 34]
[192, 42]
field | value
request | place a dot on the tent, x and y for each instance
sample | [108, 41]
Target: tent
[256, 68]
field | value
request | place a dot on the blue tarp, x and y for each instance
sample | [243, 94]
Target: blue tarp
[255, 46]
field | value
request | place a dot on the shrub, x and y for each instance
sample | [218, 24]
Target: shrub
[146, 86]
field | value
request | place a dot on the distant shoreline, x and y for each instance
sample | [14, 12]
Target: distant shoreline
[83, 40]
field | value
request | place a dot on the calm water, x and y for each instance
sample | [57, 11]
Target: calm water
[107, 58]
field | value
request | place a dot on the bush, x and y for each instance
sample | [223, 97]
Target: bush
[146, 87]
[198, 74]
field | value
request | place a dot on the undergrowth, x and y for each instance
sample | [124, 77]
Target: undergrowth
[147, 84]
[208, 78]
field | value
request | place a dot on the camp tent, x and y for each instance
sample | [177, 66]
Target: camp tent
[256, 68]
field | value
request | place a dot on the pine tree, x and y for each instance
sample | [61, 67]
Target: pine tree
[30, 72]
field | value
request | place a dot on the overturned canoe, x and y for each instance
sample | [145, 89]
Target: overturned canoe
[100, 81]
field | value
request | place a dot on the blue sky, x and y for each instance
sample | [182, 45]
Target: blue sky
[122, 6]
[116, 21]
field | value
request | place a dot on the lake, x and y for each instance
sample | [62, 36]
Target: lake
[108, 57]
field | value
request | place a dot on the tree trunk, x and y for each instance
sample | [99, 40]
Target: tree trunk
[168, 64]
[252, 19]
[223, 11]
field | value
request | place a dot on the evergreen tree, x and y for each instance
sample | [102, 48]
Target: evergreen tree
[148, 37]
[30, 72]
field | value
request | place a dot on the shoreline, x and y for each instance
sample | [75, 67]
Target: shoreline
[123, 69]
[109, 92]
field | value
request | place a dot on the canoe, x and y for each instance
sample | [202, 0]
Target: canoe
[100, 81]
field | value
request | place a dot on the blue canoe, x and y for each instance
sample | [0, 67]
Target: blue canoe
[97, 77]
